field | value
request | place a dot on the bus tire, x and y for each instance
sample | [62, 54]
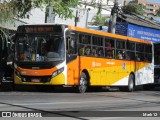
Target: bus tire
[131, 83]
[83, 83]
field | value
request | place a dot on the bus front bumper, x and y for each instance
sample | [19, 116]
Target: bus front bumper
[40, 80]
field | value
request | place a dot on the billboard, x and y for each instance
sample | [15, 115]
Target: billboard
[140, 32]
[121, 28]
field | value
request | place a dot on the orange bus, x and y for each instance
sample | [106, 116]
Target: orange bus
[58, 54]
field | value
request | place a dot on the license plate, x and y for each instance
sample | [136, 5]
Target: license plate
[35, 80]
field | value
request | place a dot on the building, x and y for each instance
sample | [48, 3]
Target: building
[151, 7]
[83, 15]
[138, 27]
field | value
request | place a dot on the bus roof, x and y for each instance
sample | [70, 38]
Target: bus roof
[108, 34]
[43, 24]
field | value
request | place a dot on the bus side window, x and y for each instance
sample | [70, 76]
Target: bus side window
[70, 46]
[138, 57]
[108, 49]
[67, 44]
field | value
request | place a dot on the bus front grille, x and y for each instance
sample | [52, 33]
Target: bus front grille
[35, 79]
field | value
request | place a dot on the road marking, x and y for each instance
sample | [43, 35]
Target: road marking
[54, 103]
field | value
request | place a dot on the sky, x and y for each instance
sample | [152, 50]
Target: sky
[36, 16]
[158, 1]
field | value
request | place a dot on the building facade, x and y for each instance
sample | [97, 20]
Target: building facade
[138, 27]
[151, 7]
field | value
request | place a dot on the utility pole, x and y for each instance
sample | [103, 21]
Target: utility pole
[87, 14]
[76, 17]
[114, 17]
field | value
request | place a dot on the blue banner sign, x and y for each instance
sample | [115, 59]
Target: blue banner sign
[140, 32]
[121, 28]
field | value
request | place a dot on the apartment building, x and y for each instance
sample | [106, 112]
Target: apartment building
[151, 7]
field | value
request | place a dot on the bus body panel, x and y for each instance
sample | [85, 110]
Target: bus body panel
[33, 72]
[110, 72]
[73, 72]
[59, 79]
[145, 74]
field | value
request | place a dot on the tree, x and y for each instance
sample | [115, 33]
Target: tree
[134, 8]
[19, 8]
[100, 20]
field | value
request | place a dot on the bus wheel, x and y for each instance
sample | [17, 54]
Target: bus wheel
[131, 84]
[83, 83]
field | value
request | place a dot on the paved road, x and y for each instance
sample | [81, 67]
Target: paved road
[62, 100]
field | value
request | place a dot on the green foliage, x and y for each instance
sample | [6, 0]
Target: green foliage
[19, 8]
[134, 8]
[100, 20]
[63, 7]
[7, 11]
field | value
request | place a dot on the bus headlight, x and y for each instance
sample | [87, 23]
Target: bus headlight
[58, 72]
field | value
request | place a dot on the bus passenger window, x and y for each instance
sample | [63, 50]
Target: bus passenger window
[119, 55]
[87, 50]
[81, 50]
[124, 54]
[108, 49]
[70, 46]
[148, 57]
[138, 57]
[94, 52]
[100, 52]
[130, 55]
[127, 56]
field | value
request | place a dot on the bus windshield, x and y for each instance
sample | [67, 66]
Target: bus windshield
[39, 48]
